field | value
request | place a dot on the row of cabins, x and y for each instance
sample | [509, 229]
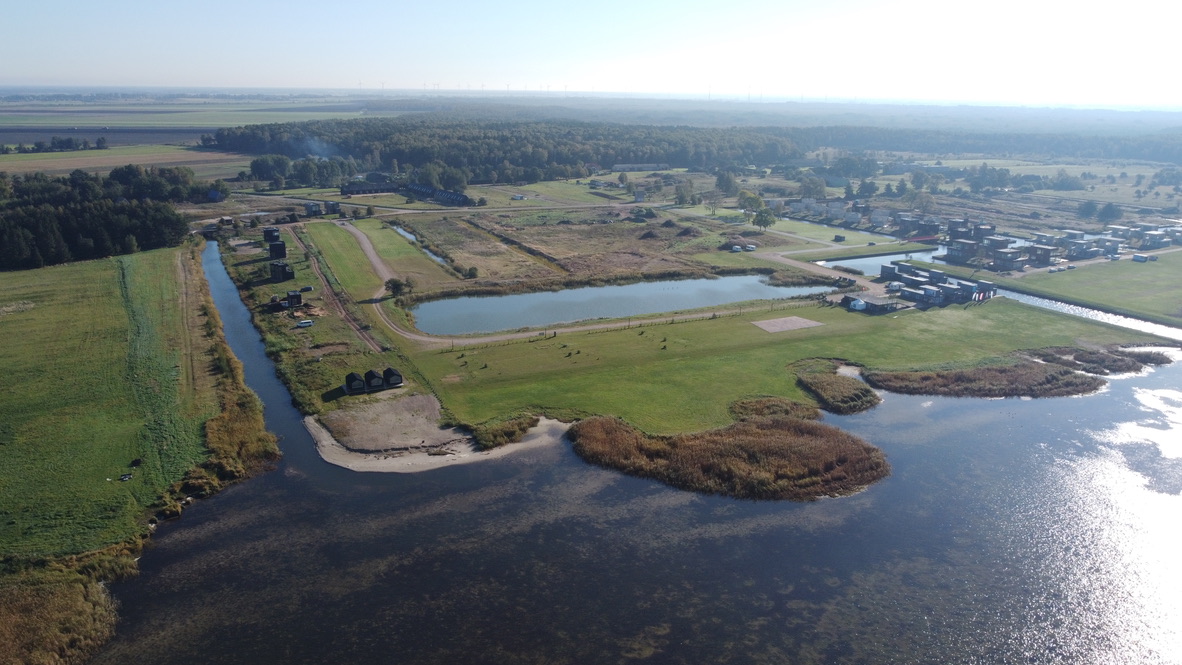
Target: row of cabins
[373, 381]
[932, 287]
[439, 195]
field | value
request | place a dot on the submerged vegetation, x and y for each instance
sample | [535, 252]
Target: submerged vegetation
[759, 457]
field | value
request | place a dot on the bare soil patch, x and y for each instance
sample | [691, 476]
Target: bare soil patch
[392, 424]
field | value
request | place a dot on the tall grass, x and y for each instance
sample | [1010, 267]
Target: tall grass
[761, 457]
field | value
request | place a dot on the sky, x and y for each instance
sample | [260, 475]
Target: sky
[1011, 52]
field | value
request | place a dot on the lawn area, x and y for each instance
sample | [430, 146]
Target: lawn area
[681, 377]
[91, 378]
[406, 260]
[210, 164]
[882, 248]
[349, 264]
[826, 233]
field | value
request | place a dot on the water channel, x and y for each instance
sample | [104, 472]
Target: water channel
[1011, 531]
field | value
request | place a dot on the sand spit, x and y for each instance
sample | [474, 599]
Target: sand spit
[414, 459]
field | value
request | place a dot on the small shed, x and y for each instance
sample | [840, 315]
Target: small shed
[278, 250]
[294, 299]
[354, 384]
[270, 234]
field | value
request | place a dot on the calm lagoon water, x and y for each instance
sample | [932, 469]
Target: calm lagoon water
[459, 316]
[1011, 531]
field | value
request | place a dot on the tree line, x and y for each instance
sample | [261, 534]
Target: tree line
[48, 220]
[502, 151]
[1159, 147]
[56, 144]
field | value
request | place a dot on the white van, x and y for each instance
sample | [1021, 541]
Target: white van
[306, 323]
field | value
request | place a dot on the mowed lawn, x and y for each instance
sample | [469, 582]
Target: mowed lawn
[681, 377]
[1151, 288]
[91, 378]
[348, 262]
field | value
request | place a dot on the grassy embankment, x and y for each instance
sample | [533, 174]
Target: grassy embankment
[1140, 290]
[108, 367]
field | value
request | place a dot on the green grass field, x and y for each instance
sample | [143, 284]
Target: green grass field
[705, 365]
[91, 379]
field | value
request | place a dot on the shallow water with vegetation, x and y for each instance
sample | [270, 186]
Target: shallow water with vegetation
[1034, 531]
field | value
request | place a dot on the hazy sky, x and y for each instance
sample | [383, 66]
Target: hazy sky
[1027, 52]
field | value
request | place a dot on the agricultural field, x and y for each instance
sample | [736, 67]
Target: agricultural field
[96, 371]
[206, 164]
[175, 113]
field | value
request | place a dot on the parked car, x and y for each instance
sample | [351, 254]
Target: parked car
[306, 323]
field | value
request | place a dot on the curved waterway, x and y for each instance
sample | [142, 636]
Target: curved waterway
[459, 316]
[1011, 531]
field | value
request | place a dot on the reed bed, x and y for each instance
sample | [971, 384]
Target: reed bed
[761, 457]
[1024, 379]
[837, 393]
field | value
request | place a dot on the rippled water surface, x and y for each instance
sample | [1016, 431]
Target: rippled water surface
[1012, 531]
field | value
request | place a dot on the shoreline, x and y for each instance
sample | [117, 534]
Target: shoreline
[546, 433]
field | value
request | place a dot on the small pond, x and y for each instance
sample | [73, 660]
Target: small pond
[459, 316]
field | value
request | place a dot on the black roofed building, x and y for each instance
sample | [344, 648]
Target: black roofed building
[354, 383]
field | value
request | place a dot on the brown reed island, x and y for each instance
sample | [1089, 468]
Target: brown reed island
[1049, 372]
[772, 456]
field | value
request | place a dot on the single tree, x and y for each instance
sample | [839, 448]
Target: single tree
[726, 183]
[395, 286]
[1109, 213]
[764, 218]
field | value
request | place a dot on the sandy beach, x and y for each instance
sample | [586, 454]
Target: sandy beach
[462, 451]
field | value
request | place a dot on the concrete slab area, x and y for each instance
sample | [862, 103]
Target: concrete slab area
[786, 323]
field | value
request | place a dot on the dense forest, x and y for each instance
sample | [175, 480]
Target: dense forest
[46, 220]
[504, 150]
